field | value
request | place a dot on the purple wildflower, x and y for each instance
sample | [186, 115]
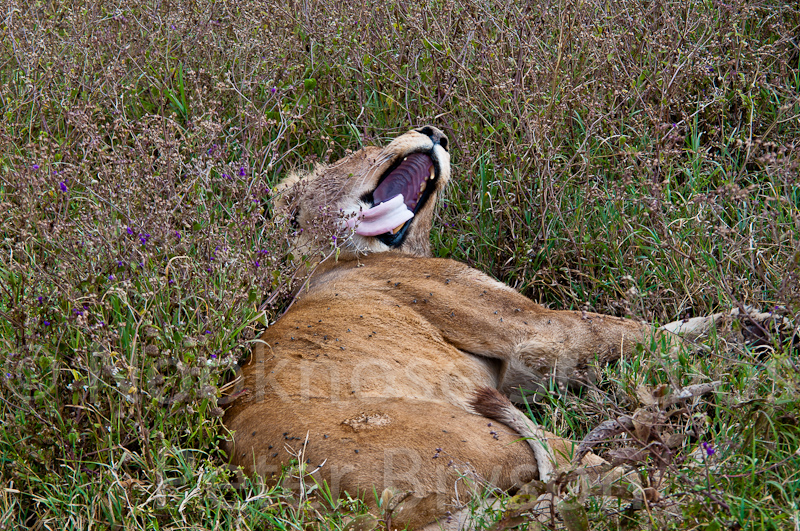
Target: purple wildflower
[35, 167]
[207, 332]
[130, 230]
[46, 323]
[242, 171]
[63, 186]
[274, 90]
[709, 448]
[213, 356]
[110, 277]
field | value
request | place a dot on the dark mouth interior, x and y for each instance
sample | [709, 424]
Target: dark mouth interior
[414, 178]
[410, 178]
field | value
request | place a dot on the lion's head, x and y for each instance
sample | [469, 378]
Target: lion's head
[378, 199]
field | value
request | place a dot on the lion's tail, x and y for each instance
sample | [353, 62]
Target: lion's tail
[490, 403]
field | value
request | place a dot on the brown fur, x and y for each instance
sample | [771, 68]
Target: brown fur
[379, 359]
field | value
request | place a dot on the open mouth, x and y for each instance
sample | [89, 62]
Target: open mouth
[400, 194]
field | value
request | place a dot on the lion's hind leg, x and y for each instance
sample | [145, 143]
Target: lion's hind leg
[425, 459]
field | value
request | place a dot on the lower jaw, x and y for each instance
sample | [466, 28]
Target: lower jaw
[395, 238]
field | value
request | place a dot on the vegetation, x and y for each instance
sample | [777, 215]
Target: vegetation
[633, 158]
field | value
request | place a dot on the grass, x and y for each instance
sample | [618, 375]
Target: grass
[636, 159]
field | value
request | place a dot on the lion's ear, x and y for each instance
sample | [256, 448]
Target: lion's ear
[287, 193]
[290, 180]
[283, 193]
[296, 176]
[286, 197]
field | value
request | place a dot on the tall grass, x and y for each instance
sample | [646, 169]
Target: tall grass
[632, 158]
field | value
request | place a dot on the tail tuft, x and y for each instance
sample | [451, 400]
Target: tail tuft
[490, 403]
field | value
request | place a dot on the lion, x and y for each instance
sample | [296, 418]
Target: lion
[389, 373]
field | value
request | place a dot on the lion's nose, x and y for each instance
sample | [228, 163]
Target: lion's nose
[436, 135]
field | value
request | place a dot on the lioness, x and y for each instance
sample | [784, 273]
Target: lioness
[373, 373]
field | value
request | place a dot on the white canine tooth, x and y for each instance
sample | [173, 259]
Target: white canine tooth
[404, 159]
[431, 175]
[421, 186]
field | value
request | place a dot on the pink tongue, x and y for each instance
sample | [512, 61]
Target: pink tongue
[381, 218]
